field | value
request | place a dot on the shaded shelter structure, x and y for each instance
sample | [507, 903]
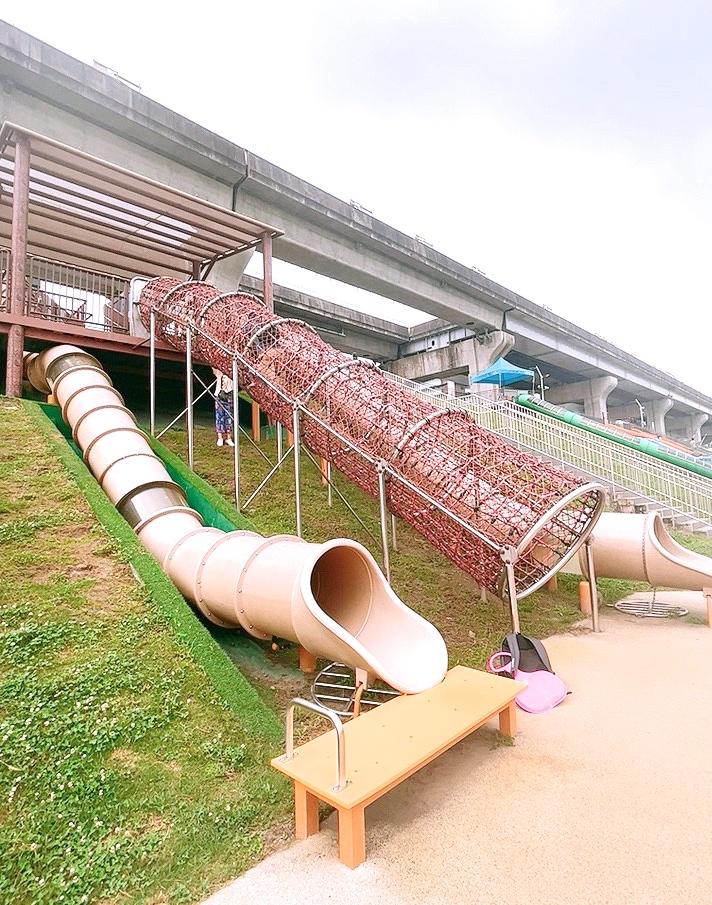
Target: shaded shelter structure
[63, 205]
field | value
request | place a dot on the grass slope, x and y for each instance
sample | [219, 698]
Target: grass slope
[124, 776]
[132, 754]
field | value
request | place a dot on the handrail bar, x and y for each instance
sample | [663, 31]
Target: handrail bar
[341, 780]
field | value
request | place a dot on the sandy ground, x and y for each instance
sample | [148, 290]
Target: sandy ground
[606, 799]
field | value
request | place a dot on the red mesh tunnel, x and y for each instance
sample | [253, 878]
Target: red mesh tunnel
[509, 499]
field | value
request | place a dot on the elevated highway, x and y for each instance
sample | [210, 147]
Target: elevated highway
[571, 359]
[48, 91]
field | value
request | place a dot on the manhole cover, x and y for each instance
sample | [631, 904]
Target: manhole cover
[335, 688]
[650, 608]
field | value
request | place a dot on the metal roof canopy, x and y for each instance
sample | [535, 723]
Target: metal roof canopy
[95, 215]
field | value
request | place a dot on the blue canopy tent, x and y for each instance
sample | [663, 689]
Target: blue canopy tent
[502, 373]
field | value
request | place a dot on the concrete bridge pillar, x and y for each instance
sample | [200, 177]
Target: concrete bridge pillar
[659, 408]
[486, 349]
[695, 423]
[469, 356]
[592, 394]
[688, 427]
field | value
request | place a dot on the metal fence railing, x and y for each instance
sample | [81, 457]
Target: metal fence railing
[67, 294]
[625, 471]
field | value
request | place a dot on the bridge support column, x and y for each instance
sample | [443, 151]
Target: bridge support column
[469, 356]
[694, 424]
[487, 349]
[686, 427]
[592, 394]
[659, 408]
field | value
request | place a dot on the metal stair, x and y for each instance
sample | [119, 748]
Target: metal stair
[634, 481]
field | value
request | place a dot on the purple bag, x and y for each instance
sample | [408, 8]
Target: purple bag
[544, 689]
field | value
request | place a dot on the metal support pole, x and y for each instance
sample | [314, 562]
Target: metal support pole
[279, 443]
[591, 576]
[297, 494]
[189, 392]
[152, 376]
[18, 257]
[384, 520]
[236, 433]
[329, 499]
[509, 557]
[267, 270]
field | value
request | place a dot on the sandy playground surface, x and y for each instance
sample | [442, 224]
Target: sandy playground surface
[606, 799]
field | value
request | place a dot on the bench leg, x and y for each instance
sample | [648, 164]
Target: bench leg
[508, 720]
[306, 812]
[352, 836]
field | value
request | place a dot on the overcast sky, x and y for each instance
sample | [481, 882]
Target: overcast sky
[563, 147]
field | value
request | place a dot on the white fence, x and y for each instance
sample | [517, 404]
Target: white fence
[687, 496]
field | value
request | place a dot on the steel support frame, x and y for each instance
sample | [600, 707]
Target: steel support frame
[489, 494]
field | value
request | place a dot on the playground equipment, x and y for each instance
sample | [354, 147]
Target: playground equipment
[639, 548]
[503, 516]
[383, 747]
[331, 598]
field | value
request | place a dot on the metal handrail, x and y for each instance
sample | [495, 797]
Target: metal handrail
[685, 493]
[341, 780]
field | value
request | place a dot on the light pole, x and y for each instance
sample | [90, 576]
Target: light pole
[642, 412]
[541, 381]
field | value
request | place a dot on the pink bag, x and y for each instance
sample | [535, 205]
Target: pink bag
[544, 689]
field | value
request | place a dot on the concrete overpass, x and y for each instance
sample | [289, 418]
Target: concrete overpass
[51, 93]
[438, 349]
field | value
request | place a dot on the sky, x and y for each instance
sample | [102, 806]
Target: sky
[562, 147]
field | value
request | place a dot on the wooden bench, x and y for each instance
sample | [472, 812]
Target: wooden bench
[387, 745]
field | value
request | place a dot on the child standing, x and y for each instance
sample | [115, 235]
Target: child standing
[223, 408]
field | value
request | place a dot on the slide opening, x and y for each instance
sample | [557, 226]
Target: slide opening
[660, 533]
[342, 586]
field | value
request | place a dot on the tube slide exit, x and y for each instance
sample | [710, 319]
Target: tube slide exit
[331, 598]
[639, 548]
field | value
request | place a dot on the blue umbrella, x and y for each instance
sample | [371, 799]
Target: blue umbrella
[502, 373]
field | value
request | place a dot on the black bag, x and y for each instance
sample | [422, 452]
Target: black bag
[528, 654]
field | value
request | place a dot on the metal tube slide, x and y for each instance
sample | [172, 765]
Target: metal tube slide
[331, 598]
[639, 548]
[464, 489]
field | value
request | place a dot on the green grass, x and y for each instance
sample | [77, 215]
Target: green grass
[133, 757]
[128, 772]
